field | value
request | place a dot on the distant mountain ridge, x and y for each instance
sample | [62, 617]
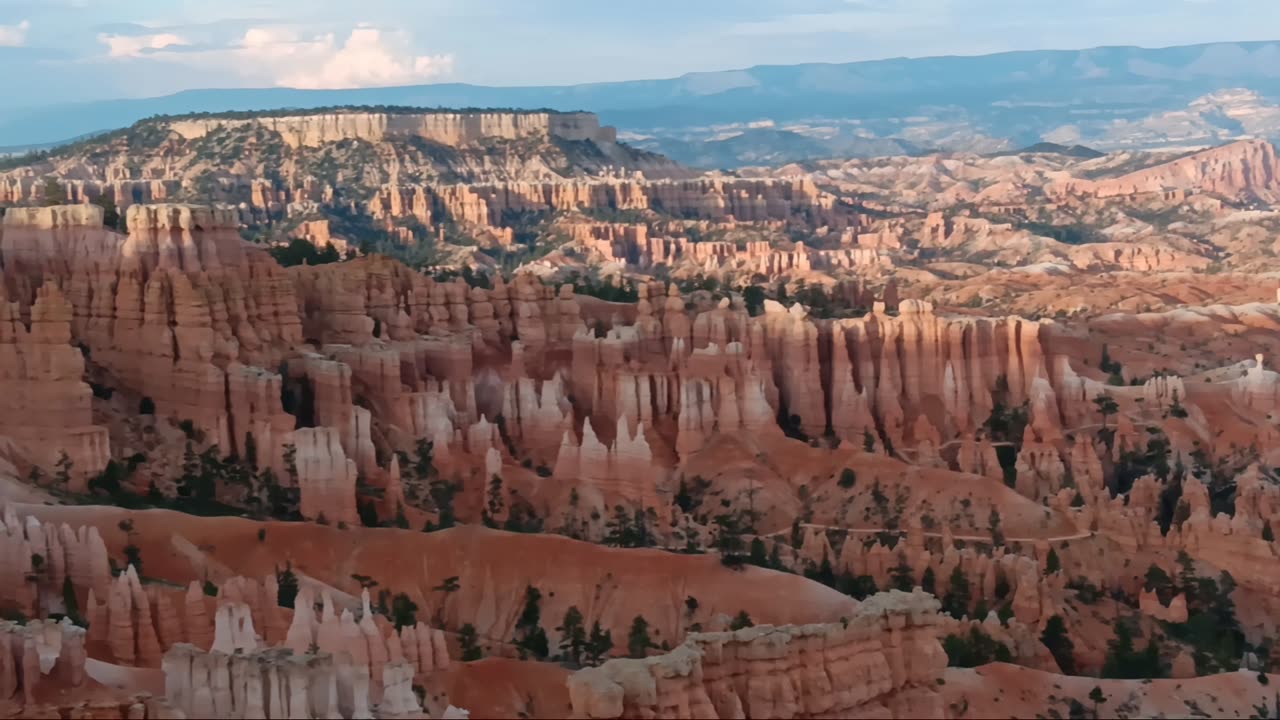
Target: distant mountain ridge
[1049, 148]
[980, 103]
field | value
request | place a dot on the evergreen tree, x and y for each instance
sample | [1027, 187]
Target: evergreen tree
[956, 602]
[1097, 698]
[976, 648]
[291, 463]
[729, 539]
[133, 556]
[753, 297]
[618, 532]
[902, 575]
[928, 582]
[54, 192]
[758, 556]
[494, 505]
[683, 499]
[741, 620]
[1107, 406]
[638, 642]
[599, 643]
[530, 637]
[573, 636]
[70, 602]
[1051, 563]
[775, 556]
[251, 451]
[848, 478]
[993, 523]
[287, 587]
[1055, 638]
[1124, 662]
[110, 213]
[404, 611]
[368, 514]
[469, 643]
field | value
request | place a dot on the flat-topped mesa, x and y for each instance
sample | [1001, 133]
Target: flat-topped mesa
[455, 129]
[886, 661]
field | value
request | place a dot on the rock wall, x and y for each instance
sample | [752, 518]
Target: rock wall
[44, 402]
[38, 658]
[745, 200]
[330, 666]
[36, 560]
[1032, 593]
[447, 128]
[1244, 168]
[632, 244]
[884, 662]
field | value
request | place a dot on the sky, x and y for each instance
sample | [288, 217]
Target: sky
[54, 51]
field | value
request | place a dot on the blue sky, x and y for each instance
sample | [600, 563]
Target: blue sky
[62, 50]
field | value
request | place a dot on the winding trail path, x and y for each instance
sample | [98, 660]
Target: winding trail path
[976, 538]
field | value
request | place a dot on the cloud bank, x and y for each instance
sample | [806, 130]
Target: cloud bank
[283, 57]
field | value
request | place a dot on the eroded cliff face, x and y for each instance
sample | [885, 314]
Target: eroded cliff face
[884, 661]
[1248, 168]
[447, 128]
[486, 205]
[182, 312]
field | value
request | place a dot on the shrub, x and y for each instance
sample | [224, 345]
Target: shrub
[741, 620]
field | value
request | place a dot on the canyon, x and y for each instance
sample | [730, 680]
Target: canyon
[458, 433]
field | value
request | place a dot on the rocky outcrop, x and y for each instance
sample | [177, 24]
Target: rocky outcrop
[326, 477]
[272, 684]
[633, 245]
[1175, 612]
[165, 310]
[37, 559]
[44, 402]
[40, 655]
[454, 129]
[329, 666]
[884, 662]
[742, 200]
[1248, 168]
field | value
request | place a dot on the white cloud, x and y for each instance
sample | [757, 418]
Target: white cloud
[280, 56]
[366, 59]
[128, 46]
[14, 35]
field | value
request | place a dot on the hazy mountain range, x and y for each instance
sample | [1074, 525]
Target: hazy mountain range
[1104, 97]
